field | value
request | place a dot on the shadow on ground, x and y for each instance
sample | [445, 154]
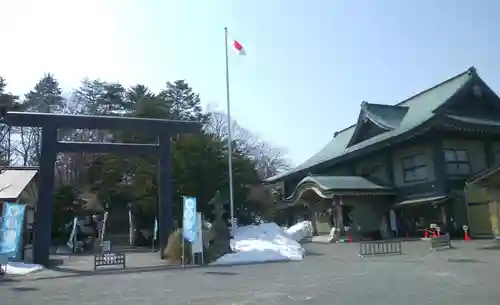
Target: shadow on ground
[8, 280]
[493, 247]
[313, 253]
[220, 273]
[464, 260]
[24, 289]
[72, 273]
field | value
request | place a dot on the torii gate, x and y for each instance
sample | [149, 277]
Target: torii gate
[50, 146]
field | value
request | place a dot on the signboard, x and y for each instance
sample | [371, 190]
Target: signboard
[197, 246]
[189, 219]
[235, 221]
[12, 229]
[106, 246]
[155, 230]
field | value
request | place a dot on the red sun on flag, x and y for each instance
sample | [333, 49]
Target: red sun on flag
[238, 47]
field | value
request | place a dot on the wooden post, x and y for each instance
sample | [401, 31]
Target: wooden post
[494, 213]
[339, 218]
[444, 217]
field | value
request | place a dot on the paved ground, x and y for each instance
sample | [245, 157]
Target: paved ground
[331, 274]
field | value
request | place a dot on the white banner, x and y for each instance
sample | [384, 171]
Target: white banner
[189, 219]
[197, 245]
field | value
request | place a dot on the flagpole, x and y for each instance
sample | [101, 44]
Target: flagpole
[229, 137]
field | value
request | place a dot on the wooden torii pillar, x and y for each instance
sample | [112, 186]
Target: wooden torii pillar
[337, 203]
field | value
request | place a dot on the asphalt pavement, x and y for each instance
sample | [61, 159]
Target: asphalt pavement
[330, 274]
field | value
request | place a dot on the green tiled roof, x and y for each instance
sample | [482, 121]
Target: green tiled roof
[327, 186]
[420, 109]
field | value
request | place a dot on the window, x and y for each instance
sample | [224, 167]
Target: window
[457, 162]
[414, 168]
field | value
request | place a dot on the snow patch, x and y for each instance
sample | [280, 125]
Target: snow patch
[300, 231]
[14, 268]
[265, 243]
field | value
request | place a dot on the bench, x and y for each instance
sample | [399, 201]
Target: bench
[109, 259]
[440, 242]
[380, 247]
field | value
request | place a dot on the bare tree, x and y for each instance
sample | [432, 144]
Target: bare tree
[23, 145]
[269, 160]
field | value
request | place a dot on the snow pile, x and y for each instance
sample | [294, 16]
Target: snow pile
[262, 243]
[13, 268]
[300, 231]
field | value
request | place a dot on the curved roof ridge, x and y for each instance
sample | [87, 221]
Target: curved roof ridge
[470, 71]
[323, 185]
[386, 116]
[386, 105]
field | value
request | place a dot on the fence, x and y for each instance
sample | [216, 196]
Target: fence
[109, 259]
[380, 247]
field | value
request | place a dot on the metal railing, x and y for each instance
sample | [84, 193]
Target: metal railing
[380, 247]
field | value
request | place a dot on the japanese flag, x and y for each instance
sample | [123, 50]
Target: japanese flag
[238, 47]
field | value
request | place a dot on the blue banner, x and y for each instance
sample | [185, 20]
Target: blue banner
[12, 230]
[189, 219]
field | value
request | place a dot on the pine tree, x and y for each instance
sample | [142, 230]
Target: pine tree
[45, 97]
[8, 101]
[183, 102]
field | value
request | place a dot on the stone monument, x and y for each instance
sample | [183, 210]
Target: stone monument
[219, 240]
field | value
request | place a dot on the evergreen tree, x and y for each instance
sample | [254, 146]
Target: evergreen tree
[46, 96]
[9, 102]
[183, 102]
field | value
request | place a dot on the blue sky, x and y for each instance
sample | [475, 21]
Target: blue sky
[309, 64]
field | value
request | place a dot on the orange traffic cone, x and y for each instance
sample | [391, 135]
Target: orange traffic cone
[434, 234]
[426, 234]
[349, 238]
[466, 237]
